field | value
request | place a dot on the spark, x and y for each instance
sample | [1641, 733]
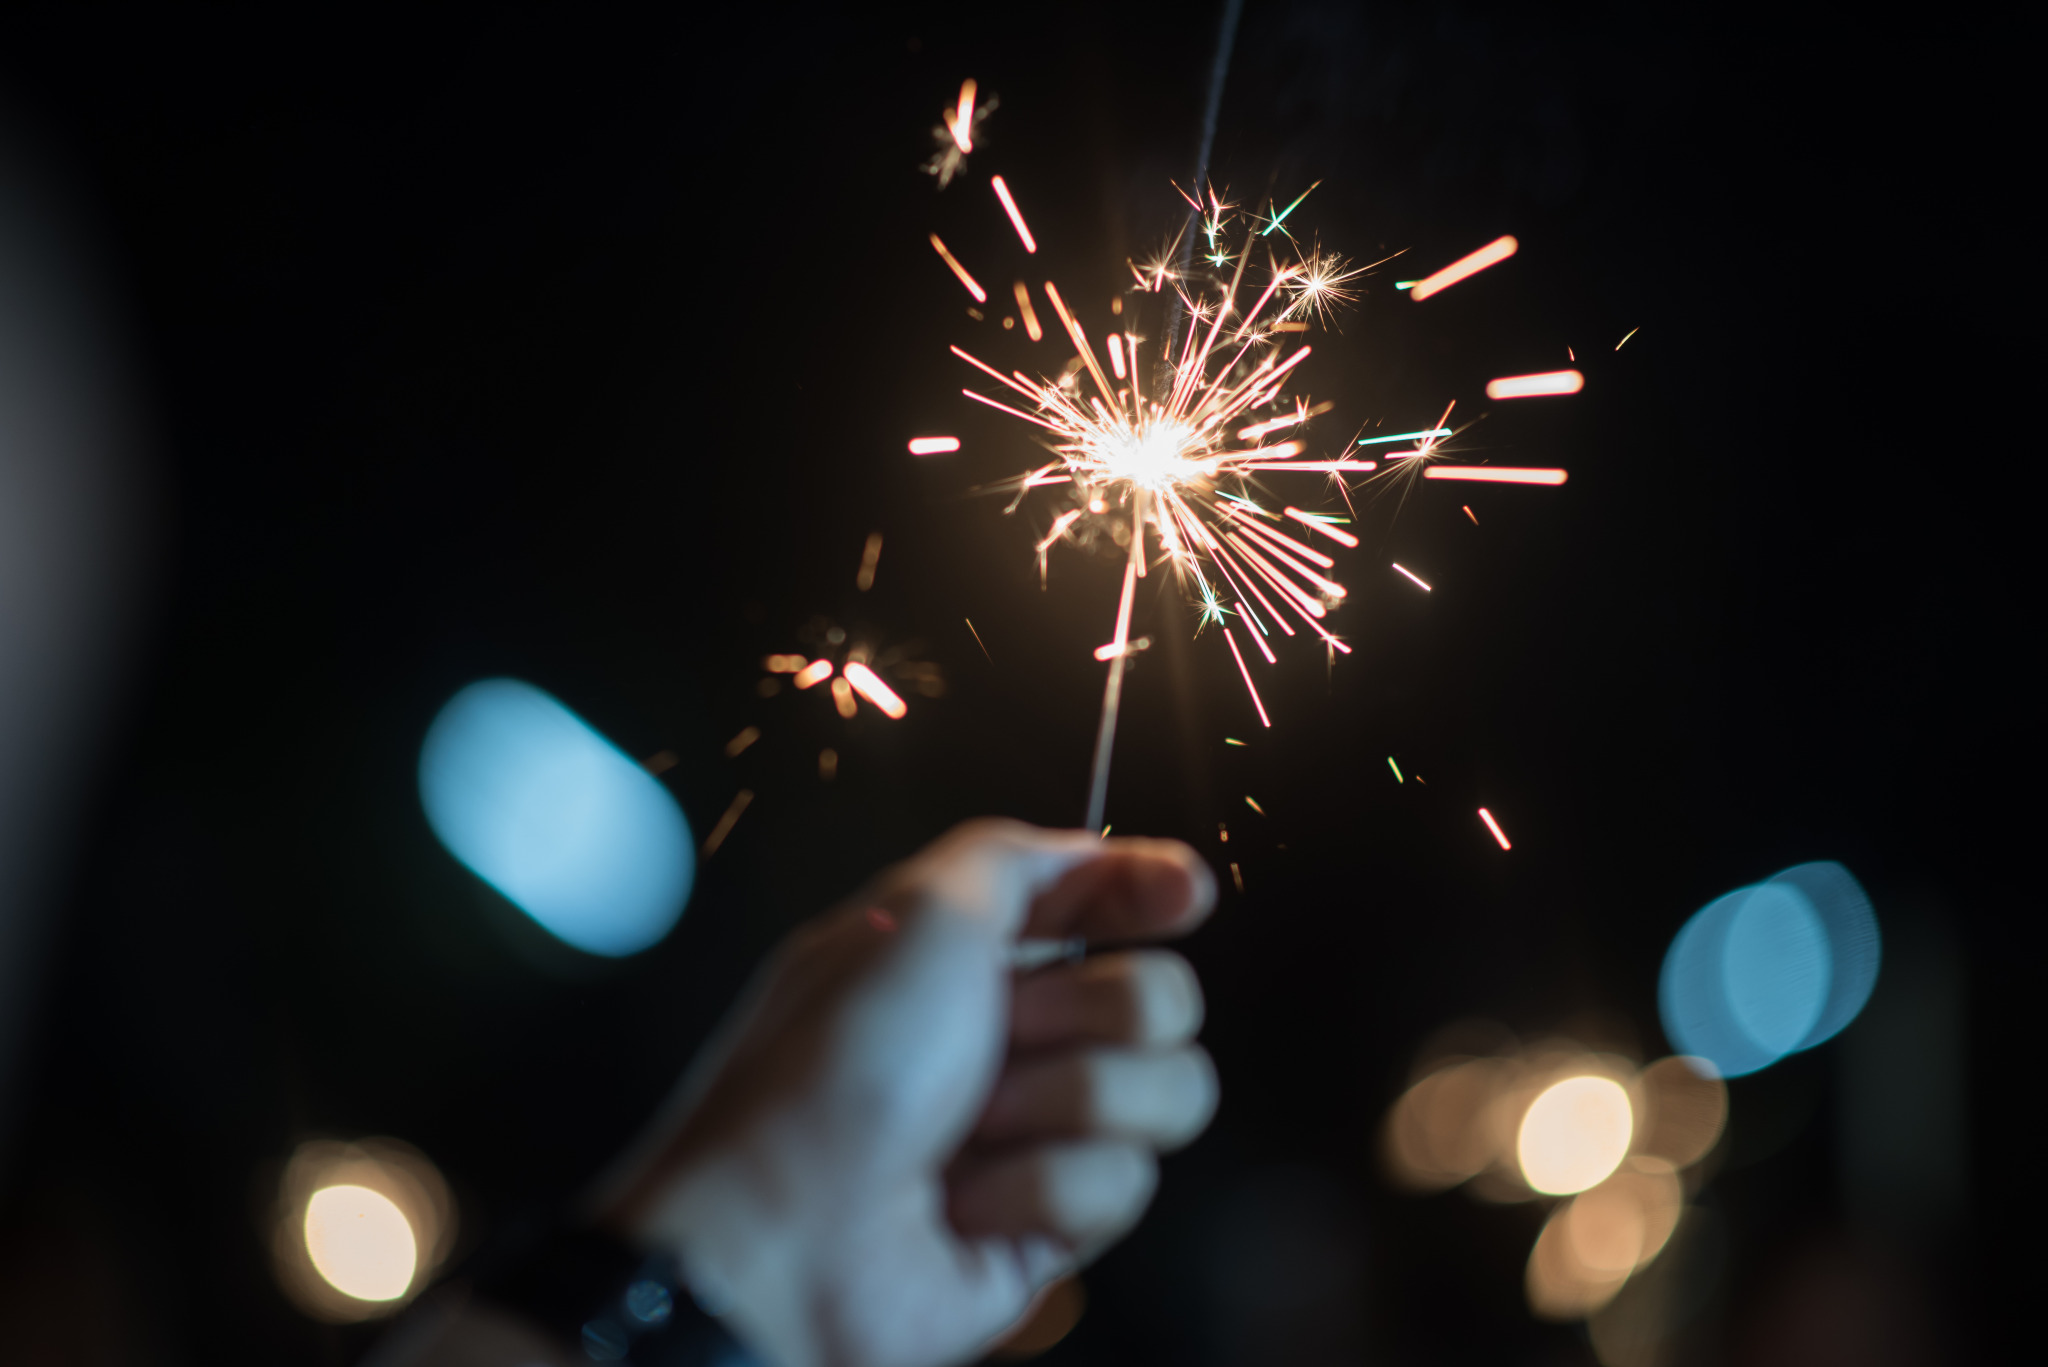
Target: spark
[1424, 435]
[870, 556]
[1316, 286]
[1468, 513]
[816, 672]
[1492, 254]
[842, 698]
[727, 822]
[740, 742]
[1494, 826]
[1281, 217]
[1030, 314]
[1534, 386]
[973, 288]
[1253, 805]
[1424, 587]
[1232, 740]
[977, 640]
[785, 664]
[1494, 474]
[962, 124]
[933, 446]
[1631, 332]
[828, 764]
[869, 685]
[1319, 522]
[1235, 876]
[1016, 217]
[1396, 768]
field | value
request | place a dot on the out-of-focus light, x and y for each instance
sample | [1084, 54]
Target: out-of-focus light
[552, 815]
[1769, 970]
[1596, 1240]
[1574, 1134]
[360, 1227]
[1446, 1128]
[1684, 1109]
[1561, 1285]
[360, 1242]
[1535, 386]
[933, 446]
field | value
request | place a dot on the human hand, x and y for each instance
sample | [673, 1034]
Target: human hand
[896, 1142]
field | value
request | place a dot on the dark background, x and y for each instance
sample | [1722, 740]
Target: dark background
[585, 349]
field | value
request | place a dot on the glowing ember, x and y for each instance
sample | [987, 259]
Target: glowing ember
[1492, 254]
[1535, 386]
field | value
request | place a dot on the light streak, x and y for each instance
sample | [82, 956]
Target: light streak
[1253, 805]
[816, 672]
[973, 287]
[1319, 523]
[783, 664]
[1494, 826]
[1535, 386]
[933, 446]
[869, 685]
[977, 640]
[870, 556]
[1030, 314]
[1232, 740]
[1235, 876]
[1396, 768]
[1494, 474]
[727, 822]
[1010, 208]
[1238, 655]
[1492, 254]
[1424, 587]
[842, 698]
[739, 743]
[1630, 333]
[1468, 513]
[1405, 436]
[1116, 355]
[962, 124]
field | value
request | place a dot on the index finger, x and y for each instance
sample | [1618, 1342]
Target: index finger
[1020, 880]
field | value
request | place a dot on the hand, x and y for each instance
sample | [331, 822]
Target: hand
[897, 1142]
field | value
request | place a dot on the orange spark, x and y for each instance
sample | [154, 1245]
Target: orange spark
[1533, 386]
[1424, 587]
[1494, 826]
[1010, 208]
[1031, 327]
[1468, 513]
[1116, 355]
[1238, 655]
[962, 126]
[817, 671]
[933, 446]
[980, 295]
[869, 685]
[1492, 254]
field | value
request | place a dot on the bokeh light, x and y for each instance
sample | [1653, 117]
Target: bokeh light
[359, 1228]
[1768, 970]
[360, 1241]
[1575, 1133]
[552, 815]
[1682, 1111]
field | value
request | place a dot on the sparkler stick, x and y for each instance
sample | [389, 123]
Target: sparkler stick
[1113, 691]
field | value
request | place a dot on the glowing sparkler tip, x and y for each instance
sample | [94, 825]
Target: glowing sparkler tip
[1494, 826]
[933, 446]
[1535, 386]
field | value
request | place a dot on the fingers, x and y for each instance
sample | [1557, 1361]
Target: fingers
[1085, 1194]
[1161, 1097]
[1021, 880]
[1144, 997]
[1133, 889]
